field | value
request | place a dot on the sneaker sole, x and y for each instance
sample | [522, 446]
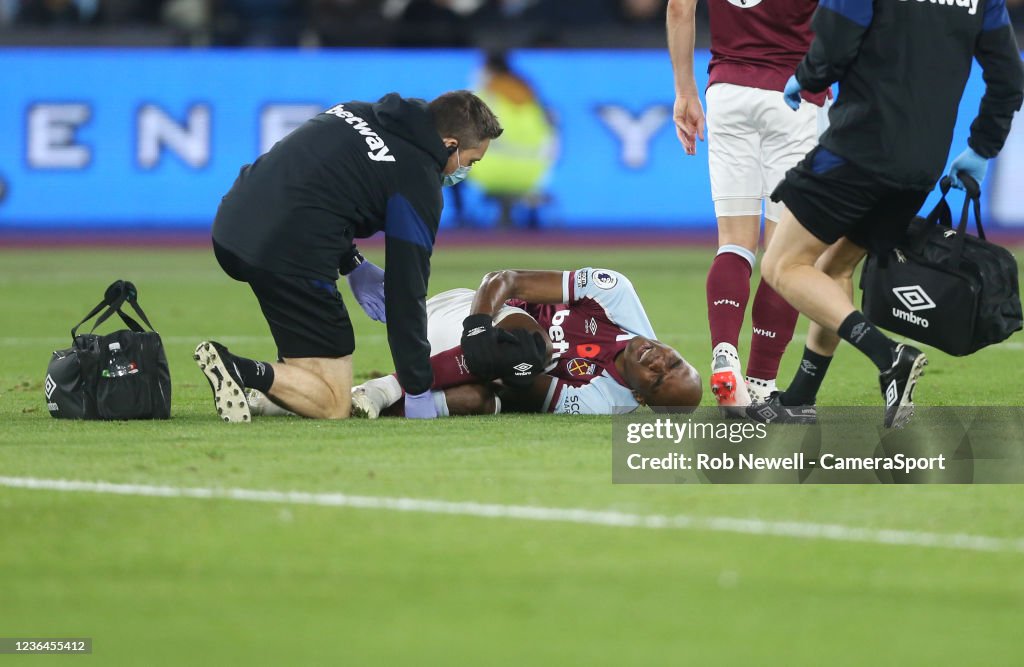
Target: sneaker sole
[728, 390]
[362, 406]
[228, 397]
[905, 410]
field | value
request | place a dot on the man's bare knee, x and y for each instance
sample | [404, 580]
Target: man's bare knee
[337, 411]
[339, 406]
[318, 388]
[840, 260]
[770, 268]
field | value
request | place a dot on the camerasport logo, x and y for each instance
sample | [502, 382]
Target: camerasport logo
[913, 297]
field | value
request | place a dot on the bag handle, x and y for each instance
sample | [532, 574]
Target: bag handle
[973, 196]
[114, 298]
[941, 214]
[133, 300]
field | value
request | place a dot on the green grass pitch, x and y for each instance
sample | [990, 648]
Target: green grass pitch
[175, 581]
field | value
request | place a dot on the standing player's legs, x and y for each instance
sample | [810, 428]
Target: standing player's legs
[736, 188]
[786, 136]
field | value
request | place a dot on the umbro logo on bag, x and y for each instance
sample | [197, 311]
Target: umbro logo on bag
[913, 297]
[49, 387]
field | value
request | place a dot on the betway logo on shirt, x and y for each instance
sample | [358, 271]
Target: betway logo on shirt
[557, 334]
[970, 5]
[378, 149]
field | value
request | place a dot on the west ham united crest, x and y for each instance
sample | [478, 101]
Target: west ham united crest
[580, 367]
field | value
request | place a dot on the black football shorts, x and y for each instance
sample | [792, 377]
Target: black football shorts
[832, 198]
[307, 317]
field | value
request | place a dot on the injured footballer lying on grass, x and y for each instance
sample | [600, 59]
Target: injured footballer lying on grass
[587, 329]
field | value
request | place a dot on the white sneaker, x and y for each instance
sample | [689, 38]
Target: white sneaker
[760, 390]
[373, 396]
[727, 382]
[260, 404]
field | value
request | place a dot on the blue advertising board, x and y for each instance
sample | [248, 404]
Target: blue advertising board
[154, 138]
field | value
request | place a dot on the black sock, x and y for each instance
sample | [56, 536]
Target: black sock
[857, 331]
[803, 390]
[255, 374]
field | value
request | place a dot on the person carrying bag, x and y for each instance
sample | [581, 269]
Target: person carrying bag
[943, 287]
[120, 375]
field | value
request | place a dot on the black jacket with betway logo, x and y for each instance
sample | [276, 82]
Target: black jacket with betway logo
[902, 66]
[352, 171]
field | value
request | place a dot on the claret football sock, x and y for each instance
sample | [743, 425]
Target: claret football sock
[857, 331]
[728, 291]
[257, 375]
[773, 320]
[803, 390]
[450, 369]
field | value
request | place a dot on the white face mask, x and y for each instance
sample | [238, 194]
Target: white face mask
[458, 175]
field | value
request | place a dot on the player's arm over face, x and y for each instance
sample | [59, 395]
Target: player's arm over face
[497, 287]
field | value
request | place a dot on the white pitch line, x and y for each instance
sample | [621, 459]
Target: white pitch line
[792, 529]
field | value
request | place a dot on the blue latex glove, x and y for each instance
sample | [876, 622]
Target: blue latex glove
[969, 163]
[791, 93]
[367, 283]
[420, 406]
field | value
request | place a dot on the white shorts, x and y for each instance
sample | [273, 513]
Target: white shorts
[445, 312]
[753, 139]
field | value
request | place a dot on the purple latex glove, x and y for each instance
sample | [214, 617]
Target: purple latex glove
[367, 283]
[420, 406]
